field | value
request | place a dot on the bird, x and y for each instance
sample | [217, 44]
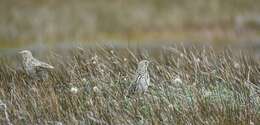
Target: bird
[34, 68]
[141, 80]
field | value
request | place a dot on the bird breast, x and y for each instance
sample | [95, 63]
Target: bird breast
[143, 80]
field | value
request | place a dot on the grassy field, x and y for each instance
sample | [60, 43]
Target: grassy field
[191, 85]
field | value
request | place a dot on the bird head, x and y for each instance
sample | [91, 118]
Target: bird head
[142, 66]
[26, 53]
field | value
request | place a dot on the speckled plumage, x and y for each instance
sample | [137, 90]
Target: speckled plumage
[33, 67]
[141, 79]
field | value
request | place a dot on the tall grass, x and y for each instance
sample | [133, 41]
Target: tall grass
[191, 85]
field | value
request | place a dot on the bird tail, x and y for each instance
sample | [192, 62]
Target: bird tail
[45, 65]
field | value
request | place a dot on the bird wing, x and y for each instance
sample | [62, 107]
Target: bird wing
[133, 87]
[40, 64]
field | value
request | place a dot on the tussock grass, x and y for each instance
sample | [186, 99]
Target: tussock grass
[191, 85]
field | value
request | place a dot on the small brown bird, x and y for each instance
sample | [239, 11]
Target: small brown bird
[33, 67]
[141, 79]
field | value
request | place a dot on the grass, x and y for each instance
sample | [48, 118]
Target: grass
[191, 85]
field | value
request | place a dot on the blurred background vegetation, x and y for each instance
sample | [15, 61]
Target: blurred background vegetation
[48, 22]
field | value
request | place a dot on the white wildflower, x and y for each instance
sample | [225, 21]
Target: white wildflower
[84, 80]
[125, 59]
[236, 65]
[95, 89]
[74, 89]
[182, 55]
[94, 57]
[177, 80]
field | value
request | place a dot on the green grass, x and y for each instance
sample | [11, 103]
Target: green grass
[215, 87]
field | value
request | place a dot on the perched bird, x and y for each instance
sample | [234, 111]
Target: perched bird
[33, 67]
[141, 79]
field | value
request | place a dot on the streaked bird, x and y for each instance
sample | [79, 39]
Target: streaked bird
[34, 68]
[141, 80]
